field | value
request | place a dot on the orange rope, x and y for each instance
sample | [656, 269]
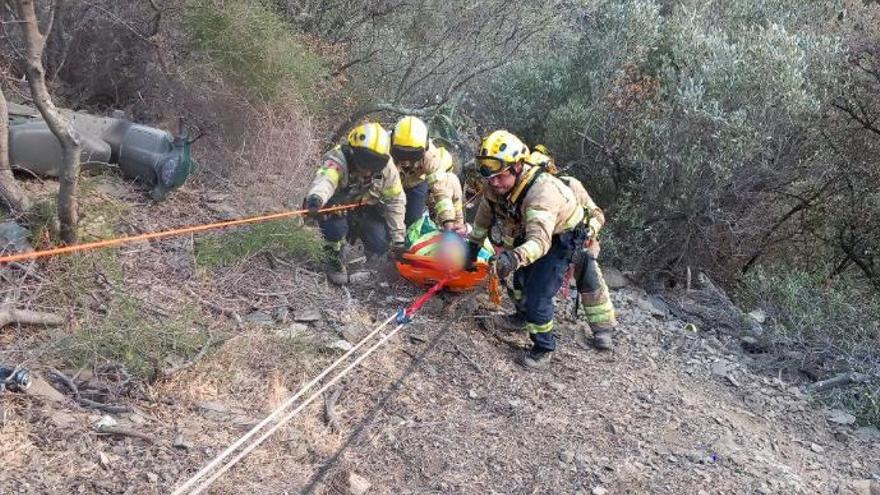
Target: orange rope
[168, 233]
[494, 288]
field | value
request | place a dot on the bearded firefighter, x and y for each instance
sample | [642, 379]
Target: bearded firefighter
[597, 310]
[542, 227]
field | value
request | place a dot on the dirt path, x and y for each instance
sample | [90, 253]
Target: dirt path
[444, 409]
[666, 413]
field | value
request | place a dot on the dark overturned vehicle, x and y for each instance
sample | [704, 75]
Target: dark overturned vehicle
[153, 157]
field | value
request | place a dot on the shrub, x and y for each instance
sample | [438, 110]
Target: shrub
[111, 324]
[833, 328]
[127, 335]
[282, 238]
[249, 43]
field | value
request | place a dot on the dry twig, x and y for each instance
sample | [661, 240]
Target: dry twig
[330, 416]
[123, 432]
[216, 308]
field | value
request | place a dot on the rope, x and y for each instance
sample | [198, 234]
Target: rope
[415, 306]
[163, 234]
[182, 489]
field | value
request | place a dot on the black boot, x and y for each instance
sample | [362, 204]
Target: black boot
[536, 359]
[334, 267]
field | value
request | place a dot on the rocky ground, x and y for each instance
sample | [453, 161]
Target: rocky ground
[443, 408]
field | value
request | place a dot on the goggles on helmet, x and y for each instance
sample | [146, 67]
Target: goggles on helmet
[407, 154]
[491, 166]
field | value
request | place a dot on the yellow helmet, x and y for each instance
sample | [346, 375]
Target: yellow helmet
[409, 139]
[370, 146]
[499, 151]
[446, 161]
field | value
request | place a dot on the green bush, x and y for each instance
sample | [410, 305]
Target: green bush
[127, 335]
[250, 44]
[282, 238]
[116, 327]
[833, 328]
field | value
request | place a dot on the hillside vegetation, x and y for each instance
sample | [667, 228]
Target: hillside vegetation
[737, 139]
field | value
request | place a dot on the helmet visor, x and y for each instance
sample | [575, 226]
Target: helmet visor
[407, 154]
[366, 159]
[489, 166]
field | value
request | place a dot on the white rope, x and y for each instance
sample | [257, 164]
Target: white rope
[205, 470]
[293, 413]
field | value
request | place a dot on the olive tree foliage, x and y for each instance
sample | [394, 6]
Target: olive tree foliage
[704, 127]
[414, 57]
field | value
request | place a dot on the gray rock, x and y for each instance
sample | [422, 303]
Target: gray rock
[472, 394]
[868, 433]
[351, 333]
[42, 389]
[340, 345]
[661, 309]
[259, 318]
[566, 456]
[62, 419]
[360, 276]
[214, 407]
[614, 278]
[103, 460]
[293, 331]
[349, 483]
[720, 368]
[840, 417]
[815, 447]
[181, 443]
[758, 316]
[307, 316]
[13, 238]
[152, 477]
[865, 487]
[105, 421]
[599, 491]
[751, 344]
[649, 304]
[281, 314]
[297, 446]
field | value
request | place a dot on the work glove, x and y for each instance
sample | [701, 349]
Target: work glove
[397, 250]
[473, 251]
[313, 203]
[505, 264]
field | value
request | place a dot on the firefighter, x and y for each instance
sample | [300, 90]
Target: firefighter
[451, 186]
[541, 225]
[360, 170]
[597, 309]
[419, 163]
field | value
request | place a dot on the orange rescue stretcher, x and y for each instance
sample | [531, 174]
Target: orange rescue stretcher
[427, 271]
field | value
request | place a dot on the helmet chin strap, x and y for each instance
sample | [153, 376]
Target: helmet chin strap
[523, 179]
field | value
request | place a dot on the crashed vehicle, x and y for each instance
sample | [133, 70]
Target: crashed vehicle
[145, 154]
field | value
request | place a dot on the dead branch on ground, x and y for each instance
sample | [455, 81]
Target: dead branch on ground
[10, 315]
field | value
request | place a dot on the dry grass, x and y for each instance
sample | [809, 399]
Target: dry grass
[275, 161]
[16, 439]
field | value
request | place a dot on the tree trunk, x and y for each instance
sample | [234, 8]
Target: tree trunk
[57, 122]
[10, 193]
